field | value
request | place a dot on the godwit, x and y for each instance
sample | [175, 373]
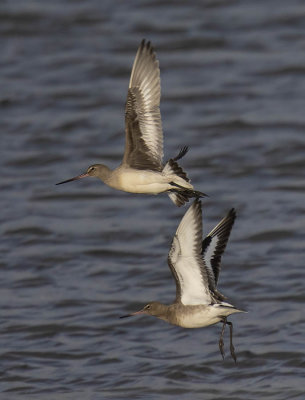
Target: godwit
[141, 170]
[195, 265]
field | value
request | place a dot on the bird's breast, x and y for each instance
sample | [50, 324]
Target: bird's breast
[139, 181]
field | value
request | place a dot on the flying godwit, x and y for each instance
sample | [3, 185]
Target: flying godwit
[195, 265]
[141, 170]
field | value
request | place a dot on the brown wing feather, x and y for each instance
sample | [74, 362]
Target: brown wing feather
[144, 137]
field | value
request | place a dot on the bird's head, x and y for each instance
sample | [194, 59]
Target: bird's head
[153, 308]
[98, 170]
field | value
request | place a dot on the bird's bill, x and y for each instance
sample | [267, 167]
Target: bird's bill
[74, 179]
[132, 314]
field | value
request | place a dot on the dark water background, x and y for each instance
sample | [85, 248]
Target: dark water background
[76, 257]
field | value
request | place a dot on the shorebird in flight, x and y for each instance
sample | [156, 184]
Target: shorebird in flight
[142, 170]
[195, 265]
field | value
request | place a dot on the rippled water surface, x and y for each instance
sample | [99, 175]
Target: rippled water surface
[76, 257]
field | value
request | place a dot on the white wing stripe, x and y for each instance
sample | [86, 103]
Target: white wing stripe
[210, 251]
[185, 258]
[192, 290]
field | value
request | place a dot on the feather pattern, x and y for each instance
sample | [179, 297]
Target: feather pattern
[185, 261]
[143, 127]
[195, 264]
[214, 245]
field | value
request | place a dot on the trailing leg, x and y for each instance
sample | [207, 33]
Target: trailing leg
[232, 350]
[188, 192]
[221, 345]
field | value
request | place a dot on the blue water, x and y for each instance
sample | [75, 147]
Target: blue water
[75, 257]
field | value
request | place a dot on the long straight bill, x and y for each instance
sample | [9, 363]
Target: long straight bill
[73, 179]
[132, 314]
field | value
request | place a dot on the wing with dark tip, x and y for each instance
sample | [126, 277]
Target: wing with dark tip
[214, 245]
[143, 127]
[185, 260]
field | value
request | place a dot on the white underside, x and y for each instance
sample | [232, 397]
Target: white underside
[143, 181]
[207, 315]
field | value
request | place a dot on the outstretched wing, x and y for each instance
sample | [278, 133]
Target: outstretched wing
[185, 260]
[214, 245]
[143, 127]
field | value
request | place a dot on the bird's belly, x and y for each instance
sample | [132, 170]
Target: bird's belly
[138, 181]
[202, 318]
[205, 315]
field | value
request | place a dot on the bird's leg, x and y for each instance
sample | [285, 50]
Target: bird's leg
[185, 191]
[232, 350]
[224, 320]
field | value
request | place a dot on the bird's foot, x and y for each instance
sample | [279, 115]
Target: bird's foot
[232, 350]
[221, 346]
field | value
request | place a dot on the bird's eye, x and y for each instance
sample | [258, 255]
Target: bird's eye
[147, 307]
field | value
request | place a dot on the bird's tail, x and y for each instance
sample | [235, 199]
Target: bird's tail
[228, 309]
[180, 194]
